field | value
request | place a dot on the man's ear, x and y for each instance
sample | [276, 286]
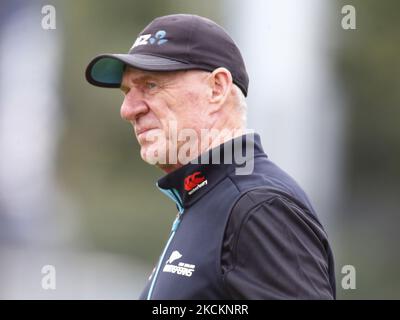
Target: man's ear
[221, 85]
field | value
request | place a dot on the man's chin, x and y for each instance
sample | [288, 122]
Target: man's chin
[153, 154]
[156, 155]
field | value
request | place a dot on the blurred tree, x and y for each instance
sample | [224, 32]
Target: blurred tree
[369, 69]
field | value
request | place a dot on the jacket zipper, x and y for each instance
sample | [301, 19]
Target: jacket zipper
[174, 195]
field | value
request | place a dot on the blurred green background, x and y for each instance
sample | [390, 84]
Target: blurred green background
[104, 170]
[121, 211]
[369, 68]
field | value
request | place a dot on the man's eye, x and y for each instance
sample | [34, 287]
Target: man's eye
[151, 85]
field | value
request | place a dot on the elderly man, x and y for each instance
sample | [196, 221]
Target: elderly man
[237, 235]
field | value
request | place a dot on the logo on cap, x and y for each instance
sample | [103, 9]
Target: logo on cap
[194, 182]
[159, 39]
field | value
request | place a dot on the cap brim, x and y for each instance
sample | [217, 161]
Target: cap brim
[106, 70]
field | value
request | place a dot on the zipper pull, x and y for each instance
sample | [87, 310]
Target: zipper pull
[176, 222]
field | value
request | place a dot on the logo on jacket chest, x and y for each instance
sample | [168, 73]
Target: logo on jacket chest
[194, 182]
[174, 265]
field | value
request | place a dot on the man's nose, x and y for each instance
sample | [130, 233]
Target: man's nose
[133, 106]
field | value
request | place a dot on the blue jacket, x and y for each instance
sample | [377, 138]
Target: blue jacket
[252, 236]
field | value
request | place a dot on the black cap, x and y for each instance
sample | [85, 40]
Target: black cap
[171, 43]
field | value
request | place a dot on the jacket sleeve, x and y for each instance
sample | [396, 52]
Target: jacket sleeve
[274, 250]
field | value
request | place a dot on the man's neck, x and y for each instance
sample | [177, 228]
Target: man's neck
[205, 143]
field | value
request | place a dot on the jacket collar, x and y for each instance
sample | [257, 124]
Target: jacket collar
[191, 182]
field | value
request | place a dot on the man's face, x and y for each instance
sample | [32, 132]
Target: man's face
[160, 105]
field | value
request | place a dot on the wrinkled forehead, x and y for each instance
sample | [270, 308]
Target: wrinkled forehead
[130, 71]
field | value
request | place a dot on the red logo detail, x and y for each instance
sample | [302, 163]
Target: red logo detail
[193, 180]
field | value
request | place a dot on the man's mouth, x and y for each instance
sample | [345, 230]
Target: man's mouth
[140, 131]
[141, 134]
